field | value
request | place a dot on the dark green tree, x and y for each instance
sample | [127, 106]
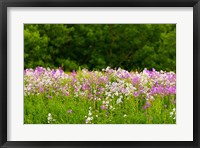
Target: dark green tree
[96, 46]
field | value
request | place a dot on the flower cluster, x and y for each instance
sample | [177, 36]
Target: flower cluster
[173, 114]
[42, 80]
[110, 86]
[50, 118]
[89, 118]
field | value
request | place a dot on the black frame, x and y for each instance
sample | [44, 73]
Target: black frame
[99, 3]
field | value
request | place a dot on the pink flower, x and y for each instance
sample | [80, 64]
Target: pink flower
[50, 97]
[73, 72]
[147, 105]
[69, 111]
[67, 93]
[135, 80]
[103, 107]
[41, 90]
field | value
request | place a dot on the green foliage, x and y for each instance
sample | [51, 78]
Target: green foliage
[96, 46]
[38, 107]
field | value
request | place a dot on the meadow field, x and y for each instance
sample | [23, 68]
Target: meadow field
[110, 96]
[100, 73]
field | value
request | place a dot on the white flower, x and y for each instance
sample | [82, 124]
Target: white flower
[90, 114]
[49, 118]
[171, 114]
[125, 115]
[107, 68]
[119, 100]
[151, 98]
[97, 116]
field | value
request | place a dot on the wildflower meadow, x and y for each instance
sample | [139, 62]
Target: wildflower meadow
[99, 73]
[110, 96]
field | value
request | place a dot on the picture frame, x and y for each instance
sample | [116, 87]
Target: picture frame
[4, 4]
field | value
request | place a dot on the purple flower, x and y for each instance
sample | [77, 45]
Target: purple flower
[41, 90]
[39, 69]
[100, 89]
[60, 69]
[147, 105]
[69, 111]
[90, 96]
[73, 72]
[103, 107]
[136, 94]
[98, 93]
[135, 80]
[74, 80]
[123, 90]
[50, 97]
[154, 90]
[53, 73]
[67, 93]
[84, 86]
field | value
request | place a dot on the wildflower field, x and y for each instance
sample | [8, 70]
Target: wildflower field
[110, 96]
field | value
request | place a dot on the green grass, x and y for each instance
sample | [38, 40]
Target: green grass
[130, 111]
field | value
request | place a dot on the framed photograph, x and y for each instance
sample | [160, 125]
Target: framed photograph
[99, 73]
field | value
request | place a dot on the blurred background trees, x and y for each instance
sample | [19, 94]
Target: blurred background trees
[96, 46]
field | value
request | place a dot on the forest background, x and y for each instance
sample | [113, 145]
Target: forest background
[96, 46]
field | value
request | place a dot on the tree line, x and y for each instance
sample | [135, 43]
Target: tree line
[96, 46]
